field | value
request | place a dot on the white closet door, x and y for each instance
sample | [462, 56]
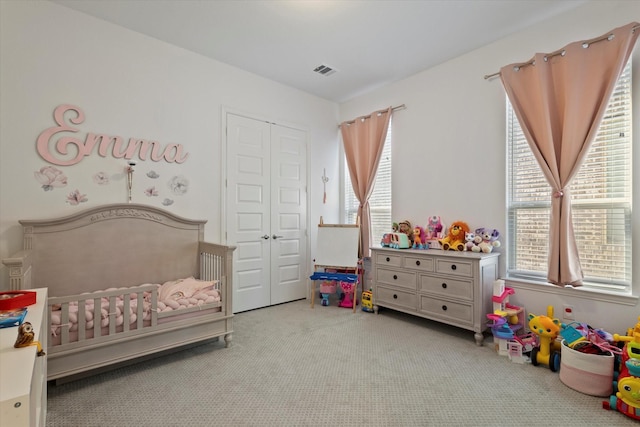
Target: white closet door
[266, 211]
[288, 214]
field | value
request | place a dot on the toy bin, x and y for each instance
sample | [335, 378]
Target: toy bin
[587, 373]
[328, 287]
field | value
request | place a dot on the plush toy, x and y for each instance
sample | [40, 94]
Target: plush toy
[405, 227]
[476, 243]
[454, 240]
[419, 238]
[434, 228]
[489, 239]
[469, 239]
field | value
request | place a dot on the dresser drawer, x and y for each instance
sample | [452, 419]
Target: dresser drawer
[454, 267]
[448, 287]
[417, 263]
[390, 260]
[395, 297]
[447, 310]
[395, 278]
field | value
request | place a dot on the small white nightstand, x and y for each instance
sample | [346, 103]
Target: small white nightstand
[23, 375]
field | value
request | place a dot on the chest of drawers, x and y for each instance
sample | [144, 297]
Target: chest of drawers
[23, 374]
[447, 286]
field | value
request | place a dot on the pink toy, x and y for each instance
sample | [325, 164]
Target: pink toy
[348, 289]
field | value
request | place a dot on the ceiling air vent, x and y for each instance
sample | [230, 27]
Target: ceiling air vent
[325, 70]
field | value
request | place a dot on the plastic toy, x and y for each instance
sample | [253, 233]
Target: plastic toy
[367, 301]
[434, 228]
[507, 321]
[419, 238]
[348, 290]
[626, 397]
[327, 288]
[454, 240]
[547, 329]
[395, 241]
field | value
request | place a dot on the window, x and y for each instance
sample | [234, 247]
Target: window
[601, 201]
[380, 200]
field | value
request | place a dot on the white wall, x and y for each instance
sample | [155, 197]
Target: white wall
[131, 85]
[449, 145]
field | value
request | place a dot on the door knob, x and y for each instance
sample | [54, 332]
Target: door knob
[276, 237]
[265, 237]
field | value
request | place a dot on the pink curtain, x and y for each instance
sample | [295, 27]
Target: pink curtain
[363, 140]
[559, 99]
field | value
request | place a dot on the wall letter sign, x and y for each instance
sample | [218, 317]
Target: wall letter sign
[58, 151]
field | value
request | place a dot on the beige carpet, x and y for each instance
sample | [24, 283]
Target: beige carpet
[291, 365]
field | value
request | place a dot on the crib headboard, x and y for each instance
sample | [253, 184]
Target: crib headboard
[111, 246]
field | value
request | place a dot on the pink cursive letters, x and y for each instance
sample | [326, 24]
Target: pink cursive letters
[49, 150]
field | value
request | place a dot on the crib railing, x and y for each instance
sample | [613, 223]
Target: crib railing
[216, 263]
[105, 313]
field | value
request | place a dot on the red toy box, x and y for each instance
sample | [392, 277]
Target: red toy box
[12, 300]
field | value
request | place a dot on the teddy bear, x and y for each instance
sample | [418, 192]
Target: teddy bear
[454, 240]
[489, 239]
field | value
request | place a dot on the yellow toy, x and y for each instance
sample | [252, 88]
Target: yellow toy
[547, 329]
[367, 301]
[626, 387]
[454, 240]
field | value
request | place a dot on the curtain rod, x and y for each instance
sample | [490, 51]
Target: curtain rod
[561, 52]
[399, 107]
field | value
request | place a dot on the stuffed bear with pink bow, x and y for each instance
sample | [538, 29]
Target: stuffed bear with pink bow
[489, 240]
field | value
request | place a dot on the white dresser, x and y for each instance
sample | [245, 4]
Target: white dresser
[23, 375]
[447, 286]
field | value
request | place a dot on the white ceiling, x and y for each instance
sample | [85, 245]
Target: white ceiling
[370, 43]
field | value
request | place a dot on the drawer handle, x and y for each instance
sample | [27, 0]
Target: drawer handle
[453, 267]
[418, 262]
[395, 296]
[444, 286]
[395, 277]
[444, 307]
[388, 259]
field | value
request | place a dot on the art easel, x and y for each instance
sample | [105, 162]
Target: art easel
[337, 250]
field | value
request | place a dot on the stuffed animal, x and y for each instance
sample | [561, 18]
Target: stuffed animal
[454, 240]
[405, 227]
[476, 243]
[419, 238]
[489, 239]
[469, 239]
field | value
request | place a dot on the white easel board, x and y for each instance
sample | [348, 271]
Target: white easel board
[338, 245]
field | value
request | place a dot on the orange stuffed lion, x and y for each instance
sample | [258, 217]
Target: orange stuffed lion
[454, 240]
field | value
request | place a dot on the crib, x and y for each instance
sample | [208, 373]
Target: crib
[125, 281]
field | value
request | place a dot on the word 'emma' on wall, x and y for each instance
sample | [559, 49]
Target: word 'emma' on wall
[57, 152]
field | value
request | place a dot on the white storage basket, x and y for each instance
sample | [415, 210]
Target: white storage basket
[587, 373]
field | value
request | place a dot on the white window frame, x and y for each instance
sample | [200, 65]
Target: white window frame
[580, 203]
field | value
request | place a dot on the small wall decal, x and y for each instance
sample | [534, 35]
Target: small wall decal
[167, 202]
[153, 175]
[151, 192]
[50, 177]
[179, 185]
[101, 178]
[75, 198]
